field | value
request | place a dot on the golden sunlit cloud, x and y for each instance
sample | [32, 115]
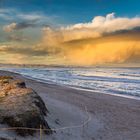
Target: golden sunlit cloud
[96, 28]
[104, 40]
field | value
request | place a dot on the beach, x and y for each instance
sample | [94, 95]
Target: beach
[85, 115]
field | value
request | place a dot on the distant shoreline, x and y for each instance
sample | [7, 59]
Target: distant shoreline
[69, 66]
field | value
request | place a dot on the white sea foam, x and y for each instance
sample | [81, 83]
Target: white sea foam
[117, 81]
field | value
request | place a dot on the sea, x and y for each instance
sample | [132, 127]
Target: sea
[116, 81]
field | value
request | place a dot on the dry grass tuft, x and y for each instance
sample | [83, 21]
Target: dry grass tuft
[6, 77]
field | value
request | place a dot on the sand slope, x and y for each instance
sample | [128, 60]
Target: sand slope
[111, 117]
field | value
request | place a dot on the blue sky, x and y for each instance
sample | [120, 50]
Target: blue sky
[49, 31]
[73, 11]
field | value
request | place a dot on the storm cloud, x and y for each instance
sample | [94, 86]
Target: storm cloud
[106, 39]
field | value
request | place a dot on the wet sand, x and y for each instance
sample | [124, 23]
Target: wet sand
[110, 117]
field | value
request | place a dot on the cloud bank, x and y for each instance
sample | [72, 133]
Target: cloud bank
[97, 27]
[104, 40]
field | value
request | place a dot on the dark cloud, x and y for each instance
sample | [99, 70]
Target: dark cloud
[135, 30]
[24, 25]
[125, 35]
[46, 25]
[19, 26]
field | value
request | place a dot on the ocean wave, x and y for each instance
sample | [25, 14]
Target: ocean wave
[114, 81]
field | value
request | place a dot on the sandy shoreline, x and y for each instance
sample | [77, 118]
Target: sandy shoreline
[112, 117]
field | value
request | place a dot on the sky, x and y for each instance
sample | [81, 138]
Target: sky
[70, 32]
